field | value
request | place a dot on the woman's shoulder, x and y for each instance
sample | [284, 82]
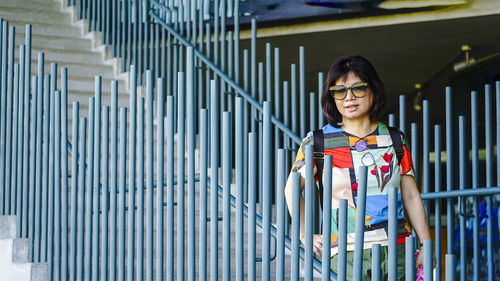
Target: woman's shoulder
[328, 131]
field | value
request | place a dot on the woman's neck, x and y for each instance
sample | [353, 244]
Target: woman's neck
[359, 128]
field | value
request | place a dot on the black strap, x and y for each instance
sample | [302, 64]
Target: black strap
[319, 157]
[397, 143]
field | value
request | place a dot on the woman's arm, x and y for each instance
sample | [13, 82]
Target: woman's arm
[317, 241]
[415, 210]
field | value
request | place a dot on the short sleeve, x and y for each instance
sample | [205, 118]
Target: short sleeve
[406, 164]
[300, 159]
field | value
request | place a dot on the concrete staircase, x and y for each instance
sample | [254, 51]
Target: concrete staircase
[14, 255]
[67, 42]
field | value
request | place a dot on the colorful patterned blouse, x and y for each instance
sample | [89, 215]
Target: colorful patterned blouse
[349, 152]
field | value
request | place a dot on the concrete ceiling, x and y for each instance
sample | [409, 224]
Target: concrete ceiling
[403, 54]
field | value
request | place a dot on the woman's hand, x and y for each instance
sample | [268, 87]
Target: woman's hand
[317, 243]
[420, 260]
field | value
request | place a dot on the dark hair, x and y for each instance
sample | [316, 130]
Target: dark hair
[364, 70]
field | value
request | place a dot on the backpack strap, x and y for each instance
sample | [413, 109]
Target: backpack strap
[319, 159]
[396, 142]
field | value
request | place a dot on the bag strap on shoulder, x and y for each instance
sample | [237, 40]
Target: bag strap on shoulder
[396, 142]
[319, 159]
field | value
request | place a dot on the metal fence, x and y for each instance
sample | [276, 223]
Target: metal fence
[91, 218]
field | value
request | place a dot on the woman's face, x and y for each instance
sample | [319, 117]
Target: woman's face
[351, 107]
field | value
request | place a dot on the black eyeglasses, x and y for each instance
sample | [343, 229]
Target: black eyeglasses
[339, 92]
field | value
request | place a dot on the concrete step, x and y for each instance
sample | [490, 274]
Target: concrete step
[13, 265]
[8, 227]
[57, 30]
[33, 16]
[34, 5]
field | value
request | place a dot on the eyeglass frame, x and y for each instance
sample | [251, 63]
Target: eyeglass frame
[358, 84]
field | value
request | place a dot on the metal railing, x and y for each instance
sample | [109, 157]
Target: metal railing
[73, 206]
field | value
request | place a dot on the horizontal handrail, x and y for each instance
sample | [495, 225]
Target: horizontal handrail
[224, 76]
[460, 193]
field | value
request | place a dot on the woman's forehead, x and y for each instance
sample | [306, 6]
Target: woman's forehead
[349, 76]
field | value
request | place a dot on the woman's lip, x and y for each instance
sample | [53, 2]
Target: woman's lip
[351, 107]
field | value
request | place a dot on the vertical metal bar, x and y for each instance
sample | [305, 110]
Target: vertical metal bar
[425, 148]
[376, 262]
[74, 190]
[38, 159]
[462, 182]
[160, 131]
[302, 91]
[239, 166]
[26, 135]
[414, 148]
[96, 179]
[321, 85]
[309, 220]
[360, 225]
[22, 149]
[449, 173]
[258, 118]
[402, 113]
[13, 188]
[280, 217]
[245, 125]
[52, 188]
[88, 193]
[296, 178]
[216, 31]
[3, 112]
[82, 141]
[450, 267]
[57, 188]
[327, 212]
[214, 164]
[203, 192]
[230, 70]
[114, 41]
[497, 108]
[64, 173]
[252, 198]
[132, 172]
[122, 195]
[489, 181]
[181, 150]
[223, 36]
[149, 183]
[253, 68]
[428, 259]
[475, 184]
[47, 163]
[8, 142]
[410, 258]
[226, 182]
[113, 181]
[342, 252]
[293, 91]
[15, 194]
[191, 146]
[312, 110]
[392, 261]
[268, 72]
[105, 197]
[32, 166]
[277, 112]
[266, 190]
[140, 191]
[437, 188]
[392, 120]
[236, 25]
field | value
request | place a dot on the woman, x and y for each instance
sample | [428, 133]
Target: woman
[352, 100]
